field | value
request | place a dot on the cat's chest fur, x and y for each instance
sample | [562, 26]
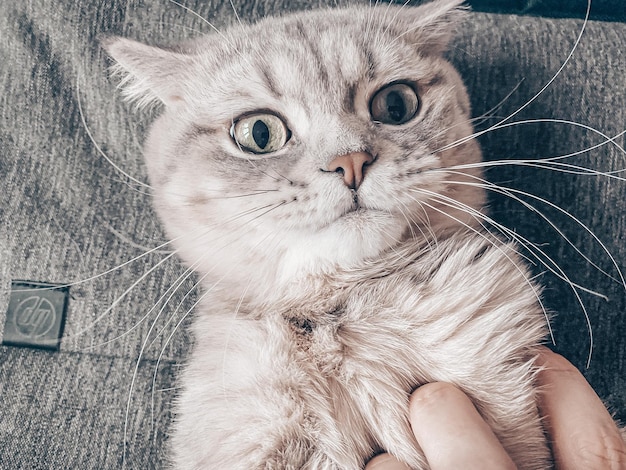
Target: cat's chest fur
[321, 378]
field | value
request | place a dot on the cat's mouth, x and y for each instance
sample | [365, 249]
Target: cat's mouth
[357, 205]
[358, 213]
[355, 199]
[358, 209]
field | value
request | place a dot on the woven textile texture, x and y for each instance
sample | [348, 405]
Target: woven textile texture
[67, 215]
[606, 10]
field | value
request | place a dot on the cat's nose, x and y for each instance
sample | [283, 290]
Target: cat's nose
[352, 167]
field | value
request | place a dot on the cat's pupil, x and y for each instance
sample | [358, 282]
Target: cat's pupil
[395, 106]
[261, 134]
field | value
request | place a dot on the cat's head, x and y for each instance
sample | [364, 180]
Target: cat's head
[306, 142]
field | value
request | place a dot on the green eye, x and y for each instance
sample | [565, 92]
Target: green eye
[394, 104]
[260, 133]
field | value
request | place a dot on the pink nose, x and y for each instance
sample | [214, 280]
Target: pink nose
[352, 167]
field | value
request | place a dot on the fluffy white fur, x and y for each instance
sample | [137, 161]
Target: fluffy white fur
[262, 391]
[324, 307]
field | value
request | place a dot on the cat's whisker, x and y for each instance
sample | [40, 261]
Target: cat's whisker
[276, 236]
[555, 159]
[145, 345]
[379, 40]
[419, 224]
[568, 168]
[410, 223]
[515, 236]
[504, 121]
[395, 16]
[486, 116]
[96, 145]
[543, 258]
[226, 39]
[230, 241]
[184, 298]
[275, 206]
[119, 298]
[253, 193]
[510, 192]
[127, 240]
[539, 93]
[283, 177]
[157, 249]
[178, 325]
[564, 168]
[369, 25]
[253, 164]
[232, 6]
[169, 321]
[153, 268]
[479, 217]
[607, 140]
[394, 248]
[429, 227]
[489, 114]
[172, 289]
[184, 277]
[244, 213]
[172, 316]
[558, 72]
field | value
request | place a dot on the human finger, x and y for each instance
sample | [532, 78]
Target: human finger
[583, 434]
[452, 433]
[385, 462]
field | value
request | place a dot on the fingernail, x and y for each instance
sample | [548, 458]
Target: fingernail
[386, 462]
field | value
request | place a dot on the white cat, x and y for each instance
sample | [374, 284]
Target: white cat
[302, 168]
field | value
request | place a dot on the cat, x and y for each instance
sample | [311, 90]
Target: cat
[303, 167]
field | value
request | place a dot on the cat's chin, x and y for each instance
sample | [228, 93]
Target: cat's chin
[347, 242]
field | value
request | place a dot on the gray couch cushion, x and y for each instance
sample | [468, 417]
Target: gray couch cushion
[68, 216]
[606, 10]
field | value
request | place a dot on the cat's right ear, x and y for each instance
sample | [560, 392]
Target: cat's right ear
[431, 25]
[148, 74]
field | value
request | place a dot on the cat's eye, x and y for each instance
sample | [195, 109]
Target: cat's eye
[394, 104]
[260, 133]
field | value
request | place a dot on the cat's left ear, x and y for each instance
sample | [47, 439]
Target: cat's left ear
[148, 74]
[431, 26]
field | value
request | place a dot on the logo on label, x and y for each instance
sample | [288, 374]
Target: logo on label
[34, 316]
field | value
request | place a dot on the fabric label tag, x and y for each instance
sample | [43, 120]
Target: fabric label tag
[36, 315]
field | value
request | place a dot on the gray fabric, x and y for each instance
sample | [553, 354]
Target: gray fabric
[495, 54]
[69, 411]
[607, 10]
[67, 215]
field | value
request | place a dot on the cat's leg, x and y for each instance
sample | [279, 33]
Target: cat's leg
[232, 412]
[246, 403]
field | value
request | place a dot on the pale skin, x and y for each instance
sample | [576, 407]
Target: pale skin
[453, 435]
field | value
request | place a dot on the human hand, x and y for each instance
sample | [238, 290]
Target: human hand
[453, 435]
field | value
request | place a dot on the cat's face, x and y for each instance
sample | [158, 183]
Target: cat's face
[299, 144]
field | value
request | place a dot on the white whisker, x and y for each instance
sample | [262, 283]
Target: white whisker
[608, 140]
[504, 121]
[510, 192]
[226, 39]
[127, 240]
[531, 247]
[96, 145]
[119, 298]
